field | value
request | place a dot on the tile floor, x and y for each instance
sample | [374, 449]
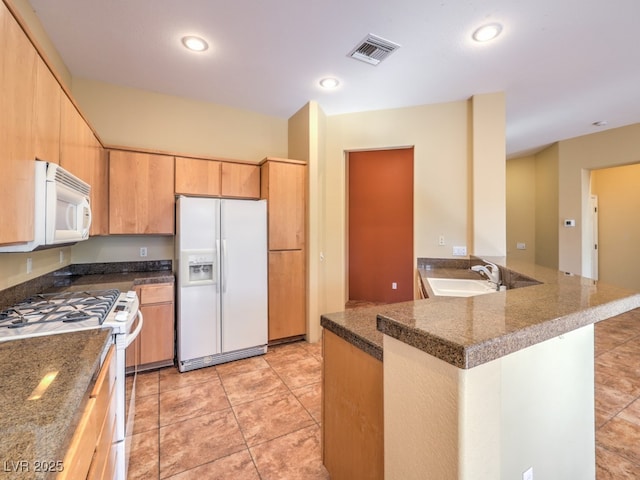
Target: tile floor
[259, 418]
[617, 366]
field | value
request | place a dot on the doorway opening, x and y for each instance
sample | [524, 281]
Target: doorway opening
[380, 226]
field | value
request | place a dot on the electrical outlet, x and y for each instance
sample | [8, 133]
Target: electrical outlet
[528, 474]
[521, 246]
[29, 265]
[394, 286]
[460, 251]
[143, 251]
[61, 256]
[441, 240]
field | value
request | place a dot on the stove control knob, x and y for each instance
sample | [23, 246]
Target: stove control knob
[131, 295]
[122, 316]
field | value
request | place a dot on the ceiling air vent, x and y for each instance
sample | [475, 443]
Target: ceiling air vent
[373, 49]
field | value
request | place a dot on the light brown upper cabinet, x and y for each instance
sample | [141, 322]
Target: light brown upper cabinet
[141, 197]
[240, 180]
[18, 64]
[47, 114]
[283, 185]
[197, 177]
[214, 178]
[83, 156]
[99, 188]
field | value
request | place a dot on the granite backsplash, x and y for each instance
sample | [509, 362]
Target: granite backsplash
[19, 292]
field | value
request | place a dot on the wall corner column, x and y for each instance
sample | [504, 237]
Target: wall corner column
[488, 174]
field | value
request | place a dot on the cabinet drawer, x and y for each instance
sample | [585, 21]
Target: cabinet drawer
[156, 293]
[83, 444]
[104, 385]
[102, 455]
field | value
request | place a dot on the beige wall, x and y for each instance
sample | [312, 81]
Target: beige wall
[13, 266]
[563, 185]
[577, 157]
[619, 231]
[143, 119]
[487, 173]
[123, 248]
[547, 220]
[521, 208]
[532, 408]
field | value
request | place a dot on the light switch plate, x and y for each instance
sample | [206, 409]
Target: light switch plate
[528, 474]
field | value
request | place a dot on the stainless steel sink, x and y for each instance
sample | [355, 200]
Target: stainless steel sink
[460, 287]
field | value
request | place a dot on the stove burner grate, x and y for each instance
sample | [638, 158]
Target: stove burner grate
[63, 307]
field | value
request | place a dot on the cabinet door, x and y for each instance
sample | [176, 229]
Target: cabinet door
[353, 418]
[287, 293]
[17, 151]
[157, 335]
[99, 175]
[197, 177]
[72, 140]
[47, 114]
[82, 155]
[241, 181]
[284, 187]
[141, 198]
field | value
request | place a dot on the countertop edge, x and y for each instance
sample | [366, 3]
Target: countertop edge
[543, 303]
[473, 355]
[352, 337]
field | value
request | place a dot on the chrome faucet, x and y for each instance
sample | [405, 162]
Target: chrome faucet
[491, 271]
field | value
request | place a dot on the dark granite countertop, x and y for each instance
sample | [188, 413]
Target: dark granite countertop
[102, 281]
[92, 276]
[40, 430]
[467, 332]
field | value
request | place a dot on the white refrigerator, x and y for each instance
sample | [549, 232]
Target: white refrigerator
[221, 253]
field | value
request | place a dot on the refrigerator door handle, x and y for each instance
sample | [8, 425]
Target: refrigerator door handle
[224, 266]
[217, 266]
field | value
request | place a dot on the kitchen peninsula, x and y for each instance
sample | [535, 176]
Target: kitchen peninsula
[479, 387]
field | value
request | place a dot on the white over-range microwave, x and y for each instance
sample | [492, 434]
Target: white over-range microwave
[62, 209]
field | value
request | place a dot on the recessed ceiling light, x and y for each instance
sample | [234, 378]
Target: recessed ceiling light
[600, 123]
[329, 83]
[487, 32]
[194, 43]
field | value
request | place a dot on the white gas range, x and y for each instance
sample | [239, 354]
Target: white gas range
[70, 311]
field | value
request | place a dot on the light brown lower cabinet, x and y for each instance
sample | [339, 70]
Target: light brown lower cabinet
[92, 453]
[157, 337]
[352, 411]
[287, 293]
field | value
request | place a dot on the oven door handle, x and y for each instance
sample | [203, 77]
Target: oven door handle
[132, 336]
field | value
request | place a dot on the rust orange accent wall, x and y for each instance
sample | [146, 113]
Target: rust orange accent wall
[380, 194]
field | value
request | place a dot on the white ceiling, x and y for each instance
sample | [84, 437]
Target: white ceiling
[563, 64]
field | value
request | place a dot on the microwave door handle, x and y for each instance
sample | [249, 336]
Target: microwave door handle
[132, 336]
[70, 211]
[86, 217]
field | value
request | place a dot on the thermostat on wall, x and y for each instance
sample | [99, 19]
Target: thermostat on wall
[569, 222]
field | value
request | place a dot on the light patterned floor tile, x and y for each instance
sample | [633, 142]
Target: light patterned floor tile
[194, 442]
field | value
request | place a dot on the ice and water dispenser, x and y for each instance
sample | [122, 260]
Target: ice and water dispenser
[198, 267]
